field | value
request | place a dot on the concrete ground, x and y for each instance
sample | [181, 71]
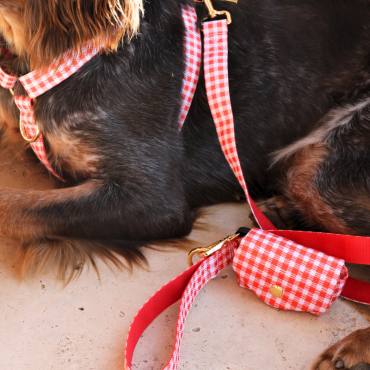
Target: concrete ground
[84, 325]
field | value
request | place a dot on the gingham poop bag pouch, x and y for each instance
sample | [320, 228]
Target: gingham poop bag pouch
[287, 275]
[270, 262]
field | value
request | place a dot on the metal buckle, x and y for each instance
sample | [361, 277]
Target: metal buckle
[23, 133]
[207, 251]
[212, 13]
[22, 130]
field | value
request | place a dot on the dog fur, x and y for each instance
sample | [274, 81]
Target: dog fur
[299, 84]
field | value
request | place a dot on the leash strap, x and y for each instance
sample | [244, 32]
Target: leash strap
[193, 55]
[217, 87]
[350, 248]
[188, 284]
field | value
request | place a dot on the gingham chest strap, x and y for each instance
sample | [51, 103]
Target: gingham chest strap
[37, 83]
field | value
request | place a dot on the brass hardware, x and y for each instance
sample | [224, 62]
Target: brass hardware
[276, 291]
[21, 126]
[212, 13]
[23, 133]
[207, 251]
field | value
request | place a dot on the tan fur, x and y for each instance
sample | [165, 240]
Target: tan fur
[68, 257]
[68, 151]
[335, 118]
[12, 26]
[39, 250]
[53, 27]
[352, 350]
[301, 189]
[17, 206]
[42, 30]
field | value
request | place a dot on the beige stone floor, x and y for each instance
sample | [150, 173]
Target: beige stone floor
[84, 325]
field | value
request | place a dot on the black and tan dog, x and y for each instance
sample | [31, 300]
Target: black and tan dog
[300, 90]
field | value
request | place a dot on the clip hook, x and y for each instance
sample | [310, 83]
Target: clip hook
[207, 251]
[212, 13]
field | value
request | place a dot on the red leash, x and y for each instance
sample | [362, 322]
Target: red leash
[350, 248]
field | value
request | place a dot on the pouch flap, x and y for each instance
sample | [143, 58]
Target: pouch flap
[287, 275]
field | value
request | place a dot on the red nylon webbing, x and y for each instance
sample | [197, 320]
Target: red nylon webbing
[350, 248]
[162, 299]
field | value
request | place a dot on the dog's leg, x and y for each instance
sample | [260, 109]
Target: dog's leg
[67, 227]
[328, 174]
[280, 211]
[352, 352]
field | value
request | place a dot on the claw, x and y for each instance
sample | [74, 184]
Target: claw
[339, 364]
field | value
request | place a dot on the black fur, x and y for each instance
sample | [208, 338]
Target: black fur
[290, 63]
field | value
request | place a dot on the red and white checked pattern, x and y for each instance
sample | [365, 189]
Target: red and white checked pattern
[7, 81]
[24, 103]
[37, 83]
[311, 280]
[208, 269]
[217, 86]
[193, 51]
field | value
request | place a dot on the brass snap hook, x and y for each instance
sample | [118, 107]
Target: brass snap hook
[208, 251]
[212, 13]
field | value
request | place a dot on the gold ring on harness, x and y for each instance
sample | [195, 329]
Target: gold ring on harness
[23, 133]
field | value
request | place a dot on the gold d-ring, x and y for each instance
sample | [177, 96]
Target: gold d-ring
[29, 140]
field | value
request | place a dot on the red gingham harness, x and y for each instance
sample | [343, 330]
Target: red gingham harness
[37, 83]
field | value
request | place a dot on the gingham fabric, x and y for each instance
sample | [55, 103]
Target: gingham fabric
[37, 83]
[217, 87]
[193, 50]
[311, 280]
[24, 104]
[208, 269]
[350, 248]
[7, 81]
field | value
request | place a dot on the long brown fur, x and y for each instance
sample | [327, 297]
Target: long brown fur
[133, 178]
[42, 30]
[303, 191]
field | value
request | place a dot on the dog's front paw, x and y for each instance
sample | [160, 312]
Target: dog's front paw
[352, 352]
[280, 211]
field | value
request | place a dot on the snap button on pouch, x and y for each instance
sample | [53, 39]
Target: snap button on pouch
[276, 291]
